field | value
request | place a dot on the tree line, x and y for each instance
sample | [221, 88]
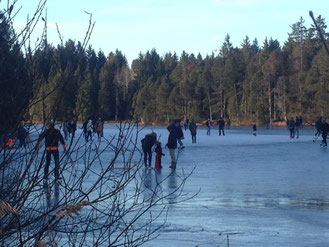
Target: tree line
[72, 81]
[102, 196]
[248, 83]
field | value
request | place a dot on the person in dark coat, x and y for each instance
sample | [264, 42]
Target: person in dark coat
[193, 128]
[318, 124]
[254, 129]
[221, 125]
[147, 143]
[52, 137]
[178, 132]
[297, 126]
[73, 127]
[291, 127]
[22, 134]
[208, 124]
[172, 145]
[84, 128]
[324, 129]
[186, 124]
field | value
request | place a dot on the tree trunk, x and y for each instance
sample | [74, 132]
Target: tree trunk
[221, 103]
[210, 109]
[185, 110]
[269, 97]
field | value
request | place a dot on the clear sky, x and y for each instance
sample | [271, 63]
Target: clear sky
[196, 26]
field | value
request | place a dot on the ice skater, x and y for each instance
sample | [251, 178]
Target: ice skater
[318, 124]
[178, 132]
[99, 128]
[324, 129]
[193, 128]
[208, 124]
[291, 127]
[297, 126]
[254, 129]
[221, 125]
[186, 124]
[52, 137]
[89, 131]
[22, 134]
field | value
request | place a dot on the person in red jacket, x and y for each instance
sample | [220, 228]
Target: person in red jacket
[158, 156]
[52, 136]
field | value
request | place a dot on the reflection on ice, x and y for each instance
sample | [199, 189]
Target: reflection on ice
[260, 187]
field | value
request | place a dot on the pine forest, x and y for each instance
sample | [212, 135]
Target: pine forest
[252, 82]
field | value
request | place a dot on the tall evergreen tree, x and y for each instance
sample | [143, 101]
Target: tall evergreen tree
[16, 87]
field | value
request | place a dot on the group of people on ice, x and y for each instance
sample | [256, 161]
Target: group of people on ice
[7, 140]
[93, 125]
[175, 138]
[174, 142]
[90, 126]
[69, 128]
[294, 126]
[221, 126]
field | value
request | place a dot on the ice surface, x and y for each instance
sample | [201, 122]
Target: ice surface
[264, 190]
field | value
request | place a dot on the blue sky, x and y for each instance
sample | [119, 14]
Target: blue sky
[196, 26]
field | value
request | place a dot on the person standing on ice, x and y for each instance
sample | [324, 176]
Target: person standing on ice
[158, 156]
[318, 124]
[73, 127]
[291, 127]
[178, 132]
[186, 124]
[89, 129]
[221, 125]
[254, 129]
[22, 134]
[297, 126]
[208, 124]
[172, 145]
[324, 129]
[52, 137]
[84, 128]
[193, 128]
[99, 128]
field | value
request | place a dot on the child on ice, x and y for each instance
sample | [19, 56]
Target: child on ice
[159, 154]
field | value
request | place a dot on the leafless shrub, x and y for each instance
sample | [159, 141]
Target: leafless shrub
[105, 195]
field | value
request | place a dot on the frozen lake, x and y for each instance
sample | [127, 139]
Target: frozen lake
[264, 190]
